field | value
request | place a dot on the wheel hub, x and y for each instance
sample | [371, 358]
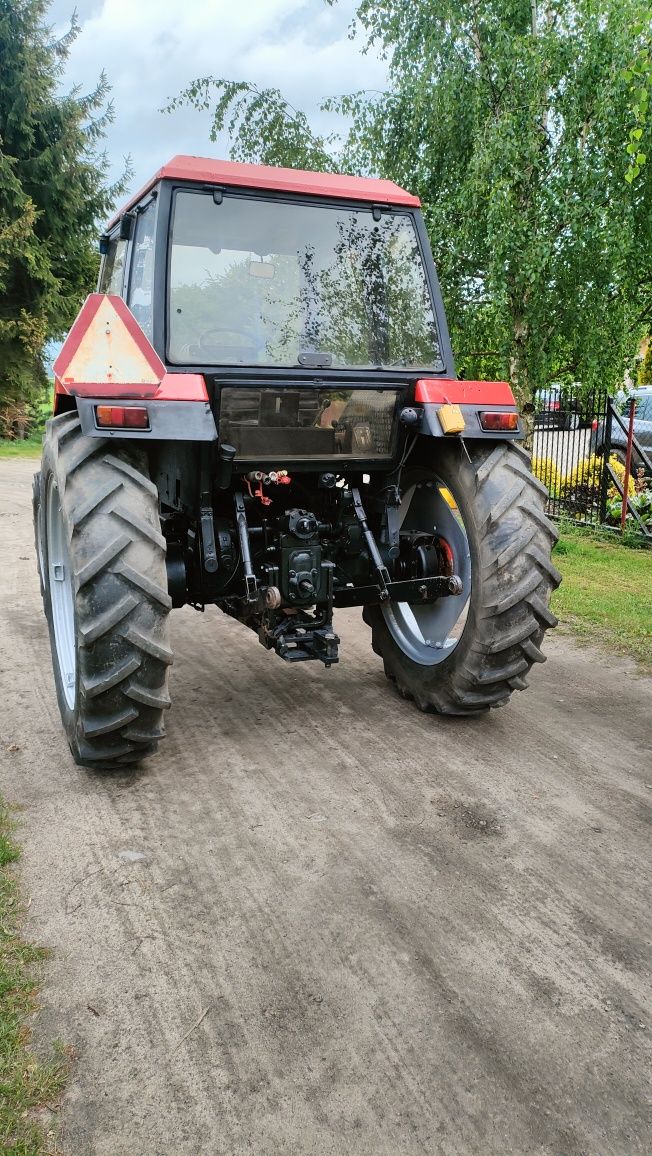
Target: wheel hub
[433, 542]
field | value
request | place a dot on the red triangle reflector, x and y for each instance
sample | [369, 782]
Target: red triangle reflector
[106, 353]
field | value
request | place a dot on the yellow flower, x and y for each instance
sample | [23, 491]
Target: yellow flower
[587, 472]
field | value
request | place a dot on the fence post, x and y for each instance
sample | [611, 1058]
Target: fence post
[606, 454]
[628, 463]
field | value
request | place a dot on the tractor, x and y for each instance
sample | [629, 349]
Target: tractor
[259, 410]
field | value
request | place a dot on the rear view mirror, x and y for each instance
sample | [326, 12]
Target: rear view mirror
[126, 226]
[263, 269]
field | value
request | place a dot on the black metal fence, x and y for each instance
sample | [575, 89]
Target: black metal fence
[567, 427]
[579, 452]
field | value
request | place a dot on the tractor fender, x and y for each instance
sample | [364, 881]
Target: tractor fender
[448, 408]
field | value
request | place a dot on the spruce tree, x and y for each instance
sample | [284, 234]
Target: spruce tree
[53, 192]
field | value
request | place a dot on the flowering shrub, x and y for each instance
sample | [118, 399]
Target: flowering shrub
[619, 470]
[546, 471]
[588, 472]
[584, 476]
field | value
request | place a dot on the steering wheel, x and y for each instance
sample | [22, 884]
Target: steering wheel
[226, 340]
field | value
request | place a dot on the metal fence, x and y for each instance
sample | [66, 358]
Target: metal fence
[567, 427]
[578, 452]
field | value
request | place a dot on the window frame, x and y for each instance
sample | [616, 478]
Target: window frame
[114, 238]
[445, 367]
[151, 200]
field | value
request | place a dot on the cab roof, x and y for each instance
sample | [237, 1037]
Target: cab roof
[206, 171]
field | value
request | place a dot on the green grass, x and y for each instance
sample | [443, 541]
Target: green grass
[29, 448]
[38, 414]
[605, 593]
[26, 1084]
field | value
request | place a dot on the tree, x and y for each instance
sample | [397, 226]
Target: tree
[53, 190]
[639, 77]
[507, 118]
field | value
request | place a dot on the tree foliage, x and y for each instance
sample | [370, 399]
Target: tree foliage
[508, 119]
[638, 75]
[53, 190]
[644, 376]
[261, 123]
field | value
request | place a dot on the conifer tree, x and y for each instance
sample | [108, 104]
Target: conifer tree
[53, 192]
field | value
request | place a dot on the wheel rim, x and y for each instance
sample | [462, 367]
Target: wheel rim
[429, 633]
[61, 594]
[39, 554]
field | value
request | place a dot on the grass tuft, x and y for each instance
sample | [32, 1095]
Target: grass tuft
[29, 448]
[27, 1086]
[604, 597]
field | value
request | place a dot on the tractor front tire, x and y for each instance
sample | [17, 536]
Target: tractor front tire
[500, 505]
[101, 559]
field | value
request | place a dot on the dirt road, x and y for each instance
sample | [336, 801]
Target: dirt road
[321, 922]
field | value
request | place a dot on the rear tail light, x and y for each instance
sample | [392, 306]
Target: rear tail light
[498, 422]
[122, 417]
[554, 405]
[594, 423]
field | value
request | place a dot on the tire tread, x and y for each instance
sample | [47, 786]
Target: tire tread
[110, 506]
[516, 578]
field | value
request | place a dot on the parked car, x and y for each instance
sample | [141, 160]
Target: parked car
[557, 408]
[642, 427]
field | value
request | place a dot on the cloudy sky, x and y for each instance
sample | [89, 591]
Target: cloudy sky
[151, 49]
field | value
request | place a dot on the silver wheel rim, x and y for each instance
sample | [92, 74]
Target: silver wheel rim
[428, 634]
[39, 552]
[62, 599]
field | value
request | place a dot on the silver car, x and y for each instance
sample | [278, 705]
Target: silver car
[642, 426]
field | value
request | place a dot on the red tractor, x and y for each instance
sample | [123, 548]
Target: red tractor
[259, 410]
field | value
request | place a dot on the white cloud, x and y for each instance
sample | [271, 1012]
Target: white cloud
[151, 49]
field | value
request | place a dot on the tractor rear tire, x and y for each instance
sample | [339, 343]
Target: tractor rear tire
[103, 577]
[501, 506]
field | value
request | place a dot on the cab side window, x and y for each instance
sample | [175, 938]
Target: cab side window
[141, 280]
[113, 267]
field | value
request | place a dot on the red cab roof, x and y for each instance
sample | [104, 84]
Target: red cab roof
[206, 171]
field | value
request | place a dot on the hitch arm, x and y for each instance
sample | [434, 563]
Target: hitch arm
[382, 573]
[245, 547]
[206, 526]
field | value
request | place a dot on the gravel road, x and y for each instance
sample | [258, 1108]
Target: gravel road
[321, 922]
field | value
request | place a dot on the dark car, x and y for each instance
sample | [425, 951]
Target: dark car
[557, 409]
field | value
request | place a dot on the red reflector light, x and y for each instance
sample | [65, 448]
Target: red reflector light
[122, 416]
[594, 423]
[498, 422]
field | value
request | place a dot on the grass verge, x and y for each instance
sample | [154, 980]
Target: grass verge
[605, 594]
[26, 1085]
[29, 448]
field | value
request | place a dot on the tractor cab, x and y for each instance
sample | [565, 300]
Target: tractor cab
[241, 266]
[252, 276]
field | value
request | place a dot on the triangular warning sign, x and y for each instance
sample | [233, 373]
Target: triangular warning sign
[106, 346]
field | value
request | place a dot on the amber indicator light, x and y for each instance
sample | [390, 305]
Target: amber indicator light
[122, 417]
[498, 422]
